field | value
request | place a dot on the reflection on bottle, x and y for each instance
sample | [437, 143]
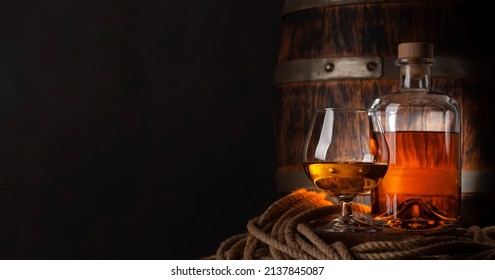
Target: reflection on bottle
[417, 214]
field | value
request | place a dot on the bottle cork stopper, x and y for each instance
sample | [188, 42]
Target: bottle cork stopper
[415, 50]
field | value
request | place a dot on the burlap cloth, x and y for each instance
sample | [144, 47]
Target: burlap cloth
[283, 232]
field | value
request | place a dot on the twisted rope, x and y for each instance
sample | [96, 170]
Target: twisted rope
[283, 231]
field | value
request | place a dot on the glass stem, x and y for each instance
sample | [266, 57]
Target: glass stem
[346, 214]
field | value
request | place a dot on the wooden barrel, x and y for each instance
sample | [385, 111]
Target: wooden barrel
[341, 53]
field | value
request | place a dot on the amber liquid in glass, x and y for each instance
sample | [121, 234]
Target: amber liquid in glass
[345, 178]
[421, 190]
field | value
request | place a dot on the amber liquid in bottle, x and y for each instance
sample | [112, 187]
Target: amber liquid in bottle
[421, 190]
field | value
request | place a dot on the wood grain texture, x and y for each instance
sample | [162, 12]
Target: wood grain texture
[376, 29]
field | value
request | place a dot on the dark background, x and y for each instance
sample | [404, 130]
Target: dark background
[134, 129]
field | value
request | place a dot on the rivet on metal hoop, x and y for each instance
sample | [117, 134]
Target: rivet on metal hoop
[371, 66]
[329, 67]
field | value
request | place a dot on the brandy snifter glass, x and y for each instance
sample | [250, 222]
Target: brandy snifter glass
[345, 154]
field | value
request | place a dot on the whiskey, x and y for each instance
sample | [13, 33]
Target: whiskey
[345, 178]
[422, 188]
[422, 184]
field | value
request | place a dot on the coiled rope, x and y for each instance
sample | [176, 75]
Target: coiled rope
[283, 232]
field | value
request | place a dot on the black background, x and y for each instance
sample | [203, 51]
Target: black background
[134, 129]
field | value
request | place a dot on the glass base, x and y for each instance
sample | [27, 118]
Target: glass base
[345, 225]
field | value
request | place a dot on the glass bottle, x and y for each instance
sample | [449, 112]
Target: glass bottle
[422, 188]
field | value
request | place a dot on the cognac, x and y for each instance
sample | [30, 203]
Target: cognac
[422, 188]
[345, 178]
[423, 167]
